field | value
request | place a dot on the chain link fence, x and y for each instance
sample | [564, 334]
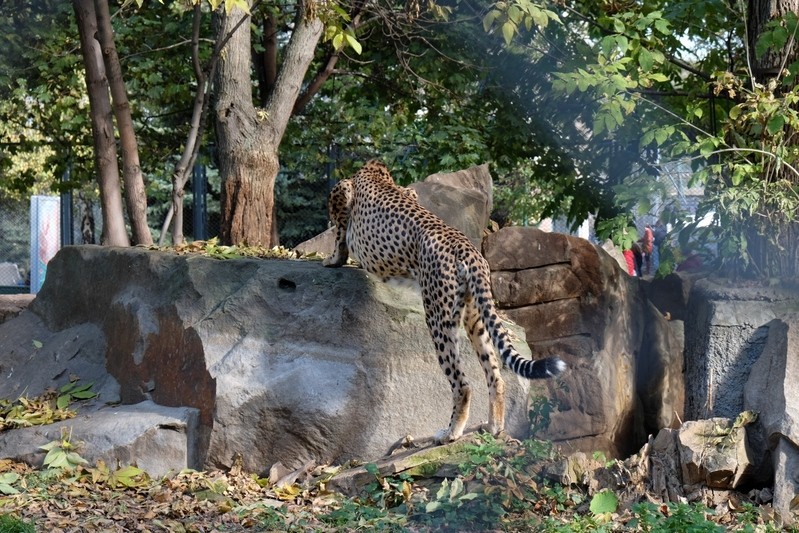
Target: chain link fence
[301, 211]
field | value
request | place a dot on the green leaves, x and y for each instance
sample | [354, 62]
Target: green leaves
[775, 124]
[619, 229]
[8, 479]
[338, 29]
[450, 495]
[646, 59]
[61, 454]
[511, 17]
[776, 34]
[124, 477]
[72, 391]
[604, 504]
[52, 406]
[341, 37]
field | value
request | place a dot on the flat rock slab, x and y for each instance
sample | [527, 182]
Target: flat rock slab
[155, 438]
[11, 305]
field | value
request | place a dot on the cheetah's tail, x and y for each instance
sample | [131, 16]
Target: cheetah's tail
[480, 287]
[533, 369]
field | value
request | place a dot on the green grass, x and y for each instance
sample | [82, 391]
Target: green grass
[10, 524]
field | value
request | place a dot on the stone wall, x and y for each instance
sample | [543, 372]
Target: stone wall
[625, 359]
[729, 329]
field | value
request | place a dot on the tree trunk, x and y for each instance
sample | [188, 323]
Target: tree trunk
[248, 139]
[773, 250]
[266, 61]
[135, 193]
[760, 13]
[105, 154]
[180, 176]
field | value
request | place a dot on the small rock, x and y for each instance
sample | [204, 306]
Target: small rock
[714, 453]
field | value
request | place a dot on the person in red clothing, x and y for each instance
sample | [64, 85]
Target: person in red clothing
[628, 256]
[633, 258]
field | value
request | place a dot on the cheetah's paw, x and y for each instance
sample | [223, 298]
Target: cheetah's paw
[444, 436]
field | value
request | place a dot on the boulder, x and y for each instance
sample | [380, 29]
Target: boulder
[460, 208]
[462, 199]
[34, 357]
[705, 461]
[155, 438]
[772, 390]
[625, 359]
[284, 361]
[477, 178]
[729, 329]
[786, 480]
[322, 243]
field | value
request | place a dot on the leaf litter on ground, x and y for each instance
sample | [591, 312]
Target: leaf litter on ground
[505, 491]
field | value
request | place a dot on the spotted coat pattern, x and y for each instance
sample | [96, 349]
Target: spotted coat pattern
[385, 229]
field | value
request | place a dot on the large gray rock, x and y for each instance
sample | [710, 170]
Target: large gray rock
[477, 177]
[772, 390]
[727, 334]
[625, 359]
[462, 199]
[283, 360]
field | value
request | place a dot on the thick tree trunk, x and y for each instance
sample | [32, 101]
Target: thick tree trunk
[774, 250]
[760, 13]
[135, 193]
[248, 139]
[105, 154]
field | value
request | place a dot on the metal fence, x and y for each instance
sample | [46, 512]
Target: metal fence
[300, 209]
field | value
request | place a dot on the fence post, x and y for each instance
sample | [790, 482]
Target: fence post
[199, 180]
[66, 208]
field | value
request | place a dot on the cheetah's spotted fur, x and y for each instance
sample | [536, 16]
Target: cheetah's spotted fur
[391, 235]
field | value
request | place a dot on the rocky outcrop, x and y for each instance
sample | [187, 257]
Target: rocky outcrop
[158, 439]
[714, 454]
[282, 360]
[625, 359]
[462, 199]
[704, 461]
[772, 391]
[729, 330]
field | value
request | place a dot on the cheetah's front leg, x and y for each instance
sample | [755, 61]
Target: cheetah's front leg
[338, 206]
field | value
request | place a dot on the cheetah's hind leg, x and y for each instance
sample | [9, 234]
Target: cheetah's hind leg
[485, 352]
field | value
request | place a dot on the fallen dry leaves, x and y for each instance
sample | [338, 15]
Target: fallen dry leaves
[188, 501]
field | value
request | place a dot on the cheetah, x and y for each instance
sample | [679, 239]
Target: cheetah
[386, 230]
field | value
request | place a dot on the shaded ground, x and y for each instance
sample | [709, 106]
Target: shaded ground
[479, 484]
